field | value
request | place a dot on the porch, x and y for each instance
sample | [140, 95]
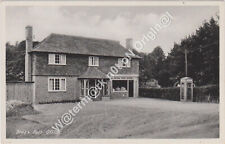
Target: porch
[96, 84]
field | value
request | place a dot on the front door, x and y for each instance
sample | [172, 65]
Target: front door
[131, 88]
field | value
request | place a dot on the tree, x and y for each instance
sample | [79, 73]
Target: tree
[15, 61]
[203, 58]
[203, 55]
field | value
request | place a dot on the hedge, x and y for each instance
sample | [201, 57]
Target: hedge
[162, 93]
[208, 93]
[200, 94]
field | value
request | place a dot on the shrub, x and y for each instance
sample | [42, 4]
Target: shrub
[163, 93]
[209, 93]
[19, 108]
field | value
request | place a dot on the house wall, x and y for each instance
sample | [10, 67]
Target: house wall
[42, 95]
[77, 64]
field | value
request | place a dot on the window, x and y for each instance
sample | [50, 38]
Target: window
[86, 84]
[84, 87]
[57, 84]
[124, 62]
[119, 85]
[57, 59]
[93, 61]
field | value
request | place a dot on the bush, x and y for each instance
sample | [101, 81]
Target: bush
[163, 93]
[19, 108]
[208, 93]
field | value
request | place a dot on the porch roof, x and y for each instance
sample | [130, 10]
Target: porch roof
[93, 73]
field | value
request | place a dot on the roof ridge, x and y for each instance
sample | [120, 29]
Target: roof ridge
[61, 43]
[92, 38]
[45, 39]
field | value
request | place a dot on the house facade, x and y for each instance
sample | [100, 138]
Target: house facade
[64, 68]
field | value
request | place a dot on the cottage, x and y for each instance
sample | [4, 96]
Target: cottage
[64, 68]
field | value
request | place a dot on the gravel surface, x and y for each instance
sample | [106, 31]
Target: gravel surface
[127, 118]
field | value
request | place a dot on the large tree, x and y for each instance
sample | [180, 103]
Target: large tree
[15, 61]
[202, 56]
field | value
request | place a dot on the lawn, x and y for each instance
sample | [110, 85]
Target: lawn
[127, 118]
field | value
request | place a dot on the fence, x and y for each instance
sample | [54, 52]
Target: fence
[19, 91]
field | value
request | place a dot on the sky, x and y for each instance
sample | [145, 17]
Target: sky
[115, 23]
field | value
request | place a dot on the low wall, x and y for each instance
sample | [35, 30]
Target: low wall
[22, 91]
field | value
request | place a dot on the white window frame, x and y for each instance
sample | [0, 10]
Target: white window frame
[52, 59]
[60, 79]
[93, 61]
[128, 65]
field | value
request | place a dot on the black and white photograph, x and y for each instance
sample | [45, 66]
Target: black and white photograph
[112, 72]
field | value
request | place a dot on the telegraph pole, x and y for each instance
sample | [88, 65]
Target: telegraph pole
[185, 61]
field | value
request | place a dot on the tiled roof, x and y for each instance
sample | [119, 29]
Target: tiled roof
[93, 72]
[81, 45]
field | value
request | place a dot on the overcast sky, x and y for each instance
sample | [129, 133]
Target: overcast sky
[117, 23]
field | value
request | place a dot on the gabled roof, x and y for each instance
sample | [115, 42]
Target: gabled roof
[59, 43]
[93, 72]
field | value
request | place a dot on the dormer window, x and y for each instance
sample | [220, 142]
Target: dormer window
[57, 59]
[93, 61]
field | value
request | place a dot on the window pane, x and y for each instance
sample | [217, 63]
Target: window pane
[129, 62]
[57, 58]
[51, 58]
[119, 85]
[89, 61]
[63, 59]
[63, 84]
[51, 84]
[82, 83]
[82, 92]
[96, 61]
[120, 62]
[56, 84]
[92, 61]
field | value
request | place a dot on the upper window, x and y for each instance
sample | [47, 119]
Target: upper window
[93, 61]
[57, 59]
[124, 62]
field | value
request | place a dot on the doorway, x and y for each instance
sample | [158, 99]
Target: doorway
[131, 88]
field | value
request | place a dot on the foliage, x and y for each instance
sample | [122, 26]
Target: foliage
[206, 93]
[162, 93]
[15, 61]
[209, 93]
[203, 59]
[19, 108]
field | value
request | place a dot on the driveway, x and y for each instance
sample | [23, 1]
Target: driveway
[127, 118]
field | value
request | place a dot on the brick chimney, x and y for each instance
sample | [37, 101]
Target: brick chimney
[129, 43]
[29, 46]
